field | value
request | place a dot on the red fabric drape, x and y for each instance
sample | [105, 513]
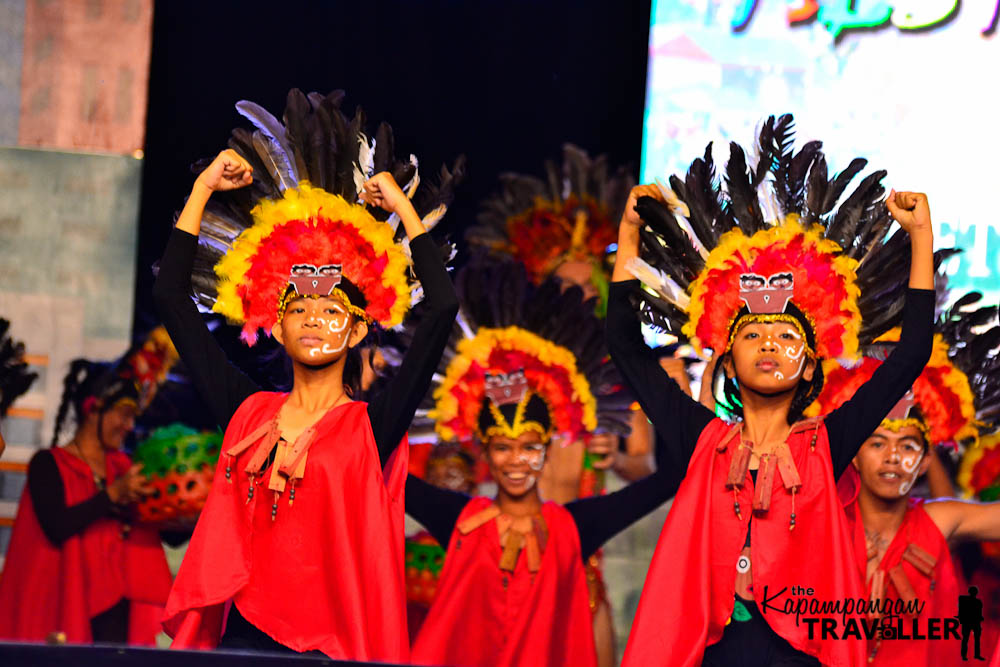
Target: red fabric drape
[327, 573]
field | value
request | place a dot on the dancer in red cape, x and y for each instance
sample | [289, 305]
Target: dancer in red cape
[76, 567]
[902, 544]
[300, 544]
[528, 363]
[770, 284]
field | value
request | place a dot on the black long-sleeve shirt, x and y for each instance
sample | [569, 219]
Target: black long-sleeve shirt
[597, 519]
[679, 420]
[224, 387]
[60, 521]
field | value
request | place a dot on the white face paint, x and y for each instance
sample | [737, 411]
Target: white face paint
[909, 462]
[504, 456]
[794, 352]
[534, 459]
[335, 325]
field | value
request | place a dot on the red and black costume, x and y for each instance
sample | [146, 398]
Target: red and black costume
[513, 590]
[73, 566]
[300, 544]
[768, 248]
[285, 577]
[531, 614]
[688, 597]
[950, 402]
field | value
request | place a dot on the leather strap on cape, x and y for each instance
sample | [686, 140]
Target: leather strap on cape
[527, 533]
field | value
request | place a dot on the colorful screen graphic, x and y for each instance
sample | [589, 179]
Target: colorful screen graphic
[908, 84]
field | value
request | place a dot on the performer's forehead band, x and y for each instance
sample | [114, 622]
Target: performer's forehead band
[905, 413]
[309, 280]
[506, 388]
[767, 299]
[766, 295]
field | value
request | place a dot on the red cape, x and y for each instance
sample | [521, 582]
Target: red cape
[542, 619]
[690, 587]
[327, 573]
[47, 589]
[939, 591]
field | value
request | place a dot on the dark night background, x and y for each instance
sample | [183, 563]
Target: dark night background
[505, 83]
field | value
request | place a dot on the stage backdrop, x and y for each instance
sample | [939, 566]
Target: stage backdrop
[905, 83]
[73, 80]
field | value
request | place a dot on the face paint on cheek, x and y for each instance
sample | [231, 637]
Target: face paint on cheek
[910, 463]
[537, 460]
[534, 460]
[905, 486]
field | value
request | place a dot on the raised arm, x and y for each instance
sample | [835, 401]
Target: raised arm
[965, 520]
[436, 509]
[850, 425]
[678, 418]
[392, 411]
[221, 385]
[600, 518]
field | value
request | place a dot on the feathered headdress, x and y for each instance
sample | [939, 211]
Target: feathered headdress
[299, 229]
[523, 358]
[134, 379]
[772, 245]
[956, 397]
[14, 376]
[979, 472]
[571, 215]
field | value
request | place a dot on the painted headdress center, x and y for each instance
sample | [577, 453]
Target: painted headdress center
[903, 408]
[766, 294]
[310, 279]
[506, 388]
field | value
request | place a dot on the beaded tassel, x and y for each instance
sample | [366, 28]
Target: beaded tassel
[229, 469]
[291, 493]
[736, 505]
[250, 490]
[274, 506]
[791, 519]
[812, 443]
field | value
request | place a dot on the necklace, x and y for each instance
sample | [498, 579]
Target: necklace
[99, 479]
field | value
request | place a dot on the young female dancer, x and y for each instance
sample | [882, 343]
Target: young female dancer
[76, 565]
[757, 517]
[528, 363]
[300, 544]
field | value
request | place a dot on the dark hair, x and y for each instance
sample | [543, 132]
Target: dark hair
[536, 410]
[353, 364]
[91, 379]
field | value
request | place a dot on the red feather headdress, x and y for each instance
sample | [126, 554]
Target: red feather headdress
[517, 351]
[957, 393]
[571, 216]
[299, 229]
[772, 245]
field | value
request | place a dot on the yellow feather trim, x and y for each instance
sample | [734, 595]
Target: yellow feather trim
[307, 203]
[735, 248]
[478, 349]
